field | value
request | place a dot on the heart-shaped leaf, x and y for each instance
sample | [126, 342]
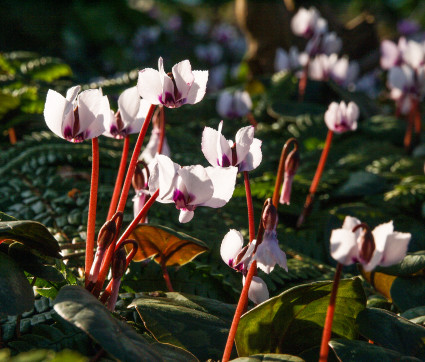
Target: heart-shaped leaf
[293, 321]
[82, 309]
[16, 295]
[394, 332]
[36, 265]
[165, 245]
[411, 264]
[32, 234]
[270, 357]
[200, 325]
[362, 351]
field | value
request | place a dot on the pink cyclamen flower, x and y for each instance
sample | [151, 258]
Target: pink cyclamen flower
[76, 117]
[234, 105]
[307, 23]
[191, 186]
[244, 153]
[239, 258]
[386, 246]
[324, 67]
[130, 116]
[182, 86]
[391, 53]
[341, 117]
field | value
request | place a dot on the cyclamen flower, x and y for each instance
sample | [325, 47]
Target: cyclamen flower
[130, 116]
[234, 105]
[182, 86]
[244, 153]
[191, 186]
[76, 117]
[391, 53]
[239, 258]
[341, 117]
[307, 23]
[383, 247]
[286, 61]
[324, 67]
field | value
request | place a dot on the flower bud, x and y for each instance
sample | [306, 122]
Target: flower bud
[106, 234]
[269, 217]
[366, 243]
[291, 167]
[118, 263]
[138, 180]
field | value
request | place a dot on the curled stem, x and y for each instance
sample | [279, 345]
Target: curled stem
[91, 220]
[281, 169]
[327, 329]
[319, 171]
[120, 177]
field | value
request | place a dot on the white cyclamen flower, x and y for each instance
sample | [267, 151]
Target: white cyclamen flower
[76, 117]
[341, 117]
[234, 105]
[182, 86]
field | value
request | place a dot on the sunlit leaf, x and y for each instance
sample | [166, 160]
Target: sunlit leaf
[82, 309]
[411, 264]
[293, 321]
[198, 324]
[165, 245]
[270, 357]
[16, 295]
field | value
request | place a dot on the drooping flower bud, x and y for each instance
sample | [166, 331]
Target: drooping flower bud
[291, 167]
[118, 263]
[107, 234]
[269, 217]
[139, 180]
[366, 243]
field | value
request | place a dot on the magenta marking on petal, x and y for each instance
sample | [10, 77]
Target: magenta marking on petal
[230, 263]
[225, 162]
[179, 199]
[67, 133]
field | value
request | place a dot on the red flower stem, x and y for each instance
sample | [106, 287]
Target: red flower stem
[120, 177]
[327, 329]
[249, 206]
[112, 248]
[281, 170]
[407, 142]
[12, 135]
[243, 301]
[161, 129]
[319, 171]
[252, 120]
[133, 161]
[91, 219]
[418, 121]
[166, 276]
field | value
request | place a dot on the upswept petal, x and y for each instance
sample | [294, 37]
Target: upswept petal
[129, 105]
[198, 184]
[224, 181]
[167, 95]
[331, 116]
[182, 73]
[395, 249]
[350, 223]
[253, 158]
[258, 291]
[140, 117]
[199, 86]
[389, 54]
[344, 246]
[72, 93]
[243, 140]
[231, 246]
[149, 85]
[55, 109]
[224, 153]
[209, 145]
[352, 113]
[89, 104]
[97, 127]
[167, 178]
[413, 54]
[380, 234]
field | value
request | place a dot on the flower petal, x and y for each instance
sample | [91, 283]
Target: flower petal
[166, 179]
[243, 140]
[149, 85]
[389, 54]
[129, 105]
[224, 181]
[253, 158]
[231, 246]
[380, 234]
[140, 118]
[209, 145]
[55, 109]
[89, 104]
[198, 184]
[185, 216]
[97, 127]
[183, 76]
[199, 86]
[344, 246]
[224, 153]
[72, 93]
[395, 249]
[258, 291]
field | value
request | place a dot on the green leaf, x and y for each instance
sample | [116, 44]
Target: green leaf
[362, 183]
[32, 234]
[408, 292]
[43, 355]
[411, 264]
[363, 351]
[6, 217]
[52, 71]
[293, 321]
[16, 295]
[34, 264]
[200, 325]
[82, 309]
[394, 332]
[415, 315]
[270, 357]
